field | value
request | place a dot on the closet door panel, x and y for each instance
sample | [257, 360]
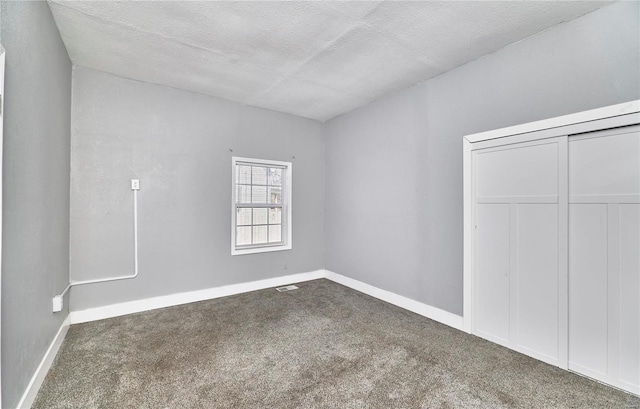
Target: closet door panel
[605, 164]
[588, 283]
[537, 279]
[492, 283]
[518, 170]
[629, 355]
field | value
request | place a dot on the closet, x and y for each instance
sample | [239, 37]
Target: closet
[552, 241]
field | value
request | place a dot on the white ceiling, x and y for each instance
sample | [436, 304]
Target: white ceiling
[312, 59]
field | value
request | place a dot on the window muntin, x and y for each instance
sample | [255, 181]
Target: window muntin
[261, 206]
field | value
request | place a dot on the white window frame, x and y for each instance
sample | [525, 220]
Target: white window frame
[286, 207]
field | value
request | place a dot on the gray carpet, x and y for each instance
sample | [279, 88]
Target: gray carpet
[322, 346]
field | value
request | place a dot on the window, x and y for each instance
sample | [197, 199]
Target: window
[261, 209]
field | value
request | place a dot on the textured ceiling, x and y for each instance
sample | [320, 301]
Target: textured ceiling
[312, 59]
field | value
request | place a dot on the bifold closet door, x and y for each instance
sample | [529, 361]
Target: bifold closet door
[604, 256]
[518, 250]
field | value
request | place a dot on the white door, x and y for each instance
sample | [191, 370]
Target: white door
[604, 256]
[519, 280]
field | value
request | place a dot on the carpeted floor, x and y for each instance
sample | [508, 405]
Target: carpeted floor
[322, 346]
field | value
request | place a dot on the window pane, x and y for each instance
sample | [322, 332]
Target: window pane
[275, 233]
[275, 194]
[260, 216]
[243, 194]
[275, 215]
[275, 176]
[259, 234]
[259, 176]
[243, 217]
[243, 174]
[243, 235]
[259, 194]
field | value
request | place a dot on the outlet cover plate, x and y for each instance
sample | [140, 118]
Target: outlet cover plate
[57, 303]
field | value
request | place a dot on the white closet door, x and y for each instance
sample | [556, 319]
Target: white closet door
[604, 256]
[518, 268]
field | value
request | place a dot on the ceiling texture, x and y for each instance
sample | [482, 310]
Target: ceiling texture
[312, 59]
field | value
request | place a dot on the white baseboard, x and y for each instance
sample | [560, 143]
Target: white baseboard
[116, 310]
[436, 314]
[34, 385]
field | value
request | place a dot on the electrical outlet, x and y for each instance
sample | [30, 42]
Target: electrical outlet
[135, 184]
[57, 303]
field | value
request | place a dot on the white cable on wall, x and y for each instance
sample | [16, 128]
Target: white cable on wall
[57, 300]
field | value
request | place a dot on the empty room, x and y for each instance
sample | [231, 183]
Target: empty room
[320, 204]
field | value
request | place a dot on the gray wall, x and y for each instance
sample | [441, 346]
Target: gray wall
[178, 144]
[394, 168]
[35, 219]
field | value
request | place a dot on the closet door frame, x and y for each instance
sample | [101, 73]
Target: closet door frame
[560, 127]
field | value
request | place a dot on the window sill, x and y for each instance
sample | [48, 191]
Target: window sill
[255, 250]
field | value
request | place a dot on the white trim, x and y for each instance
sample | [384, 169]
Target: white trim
[436, 314]
[625, 108]
[2, 65]
[549, 199]
[563, 254]
[467, 282]
[287, 208]
[131, 307]
[257, 250]
[593, 199]
[34, 385]
[259, 162]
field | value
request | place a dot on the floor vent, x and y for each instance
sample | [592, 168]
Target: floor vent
[287, 288]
